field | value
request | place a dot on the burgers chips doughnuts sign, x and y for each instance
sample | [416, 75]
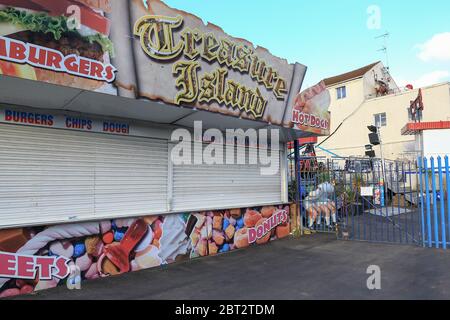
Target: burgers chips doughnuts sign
[64, 42]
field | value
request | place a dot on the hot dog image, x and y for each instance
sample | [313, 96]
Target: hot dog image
[67, 36]
[310, 111]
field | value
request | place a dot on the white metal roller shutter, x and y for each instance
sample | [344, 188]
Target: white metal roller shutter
[45, 175]
[49, 176]
[199, 187]
[130, 176]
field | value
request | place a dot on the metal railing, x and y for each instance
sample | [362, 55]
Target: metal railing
[435, 201]
[360, 198]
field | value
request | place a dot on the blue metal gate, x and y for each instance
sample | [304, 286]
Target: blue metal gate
[381, 202]
[360, 199]
[372, 200]
[434, 185]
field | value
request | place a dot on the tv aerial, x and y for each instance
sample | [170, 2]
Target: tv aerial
[384, 48]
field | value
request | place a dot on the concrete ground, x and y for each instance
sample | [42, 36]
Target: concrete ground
[313, 267]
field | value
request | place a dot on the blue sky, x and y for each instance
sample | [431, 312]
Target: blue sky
[332, 37]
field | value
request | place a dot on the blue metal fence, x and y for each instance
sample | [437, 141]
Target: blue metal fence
[381, 202]
[319, 205]
[360, 199]
[374, 200]
[434, 196]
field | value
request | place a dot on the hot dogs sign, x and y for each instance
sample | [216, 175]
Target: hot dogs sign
[146, 50]
[310, 111]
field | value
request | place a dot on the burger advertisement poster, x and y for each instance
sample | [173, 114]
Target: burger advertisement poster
[145, 50]
[60, 42]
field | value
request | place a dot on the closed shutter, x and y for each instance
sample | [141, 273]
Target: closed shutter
[130, 176]
[200, 187]
[50, 176]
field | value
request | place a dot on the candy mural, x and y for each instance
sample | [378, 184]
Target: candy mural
[113, 247]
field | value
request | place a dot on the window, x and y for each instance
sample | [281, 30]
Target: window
[419, 115]
[341, 92]
[380, 120]
[359, 166]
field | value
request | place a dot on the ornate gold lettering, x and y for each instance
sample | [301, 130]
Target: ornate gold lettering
[225, 54]
[156, 36]
[269, 77]
[221, 82]
[257, 69]
[187, 80]
[191, 38]
[207, 89]
[213, 86]
[242, 62]
[280, 88]
[231, 94]
[258, 104]
[245, 98]
[210, 47]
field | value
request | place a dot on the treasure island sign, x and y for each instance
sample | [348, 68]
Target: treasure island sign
[182, 61]
[146, 50]
[156, 36]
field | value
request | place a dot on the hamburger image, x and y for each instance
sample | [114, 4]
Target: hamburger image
[72, 27]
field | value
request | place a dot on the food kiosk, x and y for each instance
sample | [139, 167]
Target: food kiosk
[95, 95]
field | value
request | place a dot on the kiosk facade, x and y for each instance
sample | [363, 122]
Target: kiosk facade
[95, 96]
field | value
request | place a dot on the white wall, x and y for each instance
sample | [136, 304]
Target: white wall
[369, 80]
[351, 138]
[436, 143]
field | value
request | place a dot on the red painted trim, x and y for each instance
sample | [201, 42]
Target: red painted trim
[303, 141]
[307, 140]
[414, 128]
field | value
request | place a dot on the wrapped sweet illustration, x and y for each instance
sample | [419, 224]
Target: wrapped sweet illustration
[113, 247]
[223, 231]
[97, 249]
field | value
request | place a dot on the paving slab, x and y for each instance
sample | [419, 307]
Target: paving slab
[312, 267]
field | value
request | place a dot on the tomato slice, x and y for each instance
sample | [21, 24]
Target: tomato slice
[7, 68]
[25, 4]
[89, 17]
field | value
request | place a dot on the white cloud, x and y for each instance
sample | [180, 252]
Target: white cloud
[401, 82]
[432, 78]
[425, 80]
[435, 49]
